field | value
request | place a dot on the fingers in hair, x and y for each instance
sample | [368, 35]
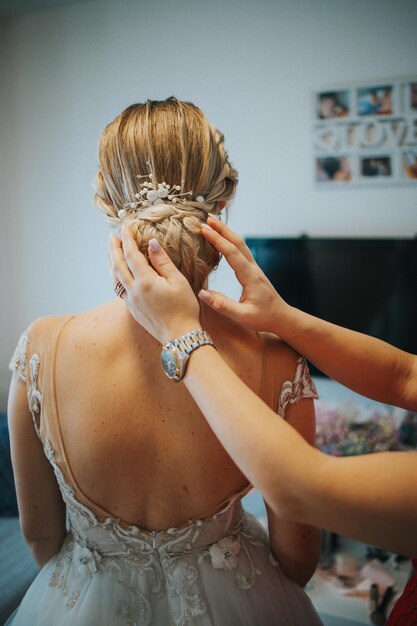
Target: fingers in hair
[117, 263]
[135, 261]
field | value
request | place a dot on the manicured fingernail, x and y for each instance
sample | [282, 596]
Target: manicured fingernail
[205, 296]
[213, 217]
[154, 245]
[206, 226]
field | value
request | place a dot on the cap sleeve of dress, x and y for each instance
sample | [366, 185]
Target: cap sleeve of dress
[302, 386]
[26, 365]
[18, 362]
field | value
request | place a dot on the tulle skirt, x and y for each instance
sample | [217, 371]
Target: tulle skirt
[197, 589]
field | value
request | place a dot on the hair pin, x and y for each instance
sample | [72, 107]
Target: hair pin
[153, 193]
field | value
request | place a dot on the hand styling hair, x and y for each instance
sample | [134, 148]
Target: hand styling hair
[174, 141]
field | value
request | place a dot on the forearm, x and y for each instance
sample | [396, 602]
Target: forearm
[296, 547]
[367, 365]
[366, 497]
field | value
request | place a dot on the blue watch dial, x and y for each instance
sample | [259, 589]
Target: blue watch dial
[169, 363]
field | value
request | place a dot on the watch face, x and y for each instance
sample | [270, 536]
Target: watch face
[169, 363]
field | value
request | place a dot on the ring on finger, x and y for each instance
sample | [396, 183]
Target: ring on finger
[119, 289]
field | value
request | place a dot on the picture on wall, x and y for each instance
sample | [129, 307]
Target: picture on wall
[376, 166]
[366, 134]
[333, 104]
[409, 164]
[376, 100]
[412, 97]
[334, 169]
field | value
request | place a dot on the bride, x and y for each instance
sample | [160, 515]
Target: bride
[128, 501]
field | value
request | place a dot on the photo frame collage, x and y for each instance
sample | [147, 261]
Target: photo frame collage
[366, 134]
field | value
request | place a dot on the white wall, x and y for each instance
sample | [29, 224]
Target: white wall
[8, 287]
[250, 64]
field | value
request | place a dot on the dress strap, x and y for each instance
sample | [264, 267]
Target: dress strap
[269, 373]
[31, 362]
[279, 398]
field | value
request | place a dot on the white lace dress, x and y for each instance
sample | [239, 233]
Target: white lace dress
[216, 571]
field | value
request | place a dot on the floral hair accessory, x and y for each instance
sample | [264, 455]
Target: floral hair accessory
[152, 193]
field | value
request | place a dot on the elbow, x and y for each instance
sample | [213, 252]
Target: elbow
[43, 545]
[299, 572]
[304, 574]
[31, 534]
[299, 559]
[44, 549]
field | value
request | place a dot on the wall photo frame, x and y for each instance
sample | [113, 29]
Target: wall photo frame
[366, 134]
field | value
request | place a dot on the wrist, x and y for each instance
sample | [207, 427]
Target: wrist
[286, 321]
[198, 361]
[178, 329]
[176, 354]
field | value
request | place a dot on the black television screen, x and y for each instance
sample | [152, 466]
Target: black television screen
[369, 285]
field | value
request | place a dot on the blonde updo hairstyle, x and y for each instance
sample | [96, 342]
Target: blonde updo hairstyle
[175, 141]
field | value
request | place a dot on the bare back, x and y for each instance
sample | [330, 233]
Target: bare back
[136, 443]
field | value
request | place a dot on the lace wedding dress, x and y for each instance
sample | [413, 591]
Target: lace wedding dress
[216, 571]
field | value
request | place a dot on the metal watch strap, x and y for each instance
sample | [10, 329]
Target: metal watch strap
[176, 353]
[192, 340]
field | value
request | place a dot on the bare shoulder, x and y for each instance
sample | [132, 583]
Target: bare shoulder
[44, 326]
[93, 328]
[105, 334]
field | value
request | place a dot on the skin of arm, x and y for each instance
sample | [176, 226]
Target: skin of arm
[41, 508]
[296, 546]
[365, 364]
[368, 497]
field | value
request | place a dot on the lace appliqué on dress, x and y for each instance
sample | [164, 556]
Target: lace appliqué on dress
[18, 361]
[165, 561]
[34, 395]
[301, 387]
[18, 364]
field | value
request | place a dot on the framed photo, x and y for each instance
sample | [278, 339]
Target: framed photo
[376, 166]
[376, 100]
[409, 164]
[332, 105]
[333, 169]
[412, 97]
[365, 134]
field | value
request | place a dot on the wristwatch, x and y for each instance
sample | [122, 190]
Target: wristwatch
[175, 353]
